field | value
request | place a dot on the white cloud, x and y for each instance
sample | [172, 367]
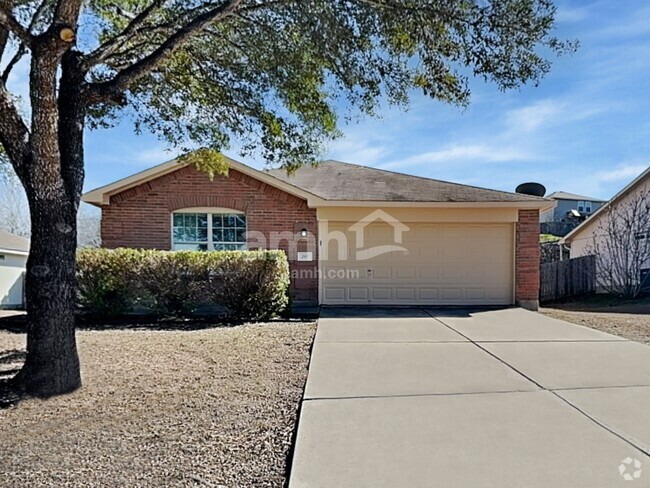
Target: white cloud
[357, 150]
[624, 172]
[464, 153]
[567, 14]
[154, 155]
[532, 116]
[551, 112]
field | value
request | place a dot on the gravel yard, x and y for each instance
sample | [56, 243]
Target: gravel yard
[214, 407]
[626, 319]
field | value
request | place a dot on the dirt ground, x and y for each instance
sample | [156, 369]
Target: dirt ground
[625, 318]
[213, 407]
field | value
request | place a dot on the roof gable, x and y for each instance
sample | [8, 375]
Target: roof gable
[101, 196]
[643, 178]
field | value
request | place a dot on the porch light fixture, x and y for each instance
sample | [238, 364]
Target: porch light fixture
[304, 232]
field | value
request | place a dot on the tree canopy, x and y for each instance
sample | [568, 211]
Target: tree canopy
[275, 74]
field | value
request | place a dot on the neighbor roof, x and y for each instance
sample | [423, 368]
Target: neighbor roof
[335, 180]
[642, 178]
[562, 195]
[13, 243]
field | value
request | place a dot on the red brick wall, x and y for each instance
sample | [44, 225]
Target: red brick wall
[141, 217]
[527, 256]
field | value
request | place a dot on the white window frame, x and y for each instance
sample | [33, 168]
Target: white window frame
[209, 211]
[581, 206]
[588, 206]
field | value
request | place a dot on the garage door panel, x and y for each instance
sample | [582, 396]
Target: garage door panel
[382, 272]
[407, 272]
[358, 293]
[429, 273]
[332, 293]
[427, 294]
[404, 294]
[475, 293]
[446, 264]
[382, 293]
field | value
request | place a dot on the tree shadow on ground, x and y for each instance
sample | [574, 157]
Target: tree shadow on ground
[602, 303]
[10, 362]
[18, 324]
[9, 396]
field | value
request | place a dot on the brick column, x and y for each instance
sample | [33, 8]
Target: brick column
[527, 260]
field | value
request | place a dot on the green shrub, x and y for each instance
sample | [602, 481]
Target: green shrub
[247, 284]
[106, 279]
[172, 283]
[251, 285]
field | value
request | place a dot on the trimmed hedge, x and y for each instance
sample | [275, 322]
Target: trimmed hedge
[250, 285]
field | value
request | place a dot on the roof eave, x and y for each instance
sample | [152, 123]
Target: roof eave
[533, 204]
[13, 251]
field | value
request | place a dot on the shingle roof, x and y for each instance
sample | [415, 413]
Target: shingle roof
[11, 242]
[335, 180]
[562, 195]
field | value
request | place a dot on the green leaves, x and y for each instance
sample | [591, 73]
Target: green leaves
[251, 285]
[208, 161]
[273, 76]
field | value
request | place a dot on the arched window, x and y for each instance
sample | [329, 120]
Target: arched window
[208, 229]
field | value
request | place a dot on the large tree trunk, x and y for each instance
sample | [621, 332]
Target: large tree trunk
[52, 365]
[53, 179]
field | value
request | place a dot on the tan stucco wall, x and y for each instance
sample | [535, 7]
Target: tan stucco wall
[451, 215]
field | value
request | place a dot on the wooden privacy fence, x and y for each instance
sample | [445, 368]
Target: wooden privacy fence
[563, 279]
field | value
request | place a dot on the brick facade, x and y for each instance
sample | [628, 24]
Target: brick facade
[527, 259]
[140, 217]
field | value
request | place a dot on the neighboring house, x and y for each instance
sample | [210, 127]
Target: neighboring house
[353, 234]
[571, 211]
[581, 239]
[13, 260]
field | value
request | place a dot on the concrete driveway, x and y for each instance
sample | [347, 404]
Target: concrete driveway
[503, 398]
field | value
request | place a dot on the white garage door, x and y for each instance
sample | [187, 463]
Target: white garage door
[443, 264]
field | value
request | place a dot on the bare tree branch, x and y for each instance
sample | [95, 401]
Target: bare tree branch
[121, 81]
[4, 33]
[22, 49]
[9, 23]
[14, 134]
[621, 245]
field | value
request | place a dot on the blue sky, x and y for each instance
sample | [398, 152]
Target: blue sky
[585, 129]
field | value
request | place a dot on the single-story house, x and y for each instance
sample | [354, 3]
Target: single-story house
[13, 261]
[353, 234]
[581, 239]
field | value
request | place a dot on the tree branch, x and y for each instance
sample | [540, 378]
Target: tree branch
[9, 23]
[67, 12]
[123, 79]
[103, 52]
[20, 52]
[14, 134]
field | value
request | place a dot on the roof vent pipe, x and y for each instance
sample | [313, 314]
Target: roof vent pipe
[534, 189]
